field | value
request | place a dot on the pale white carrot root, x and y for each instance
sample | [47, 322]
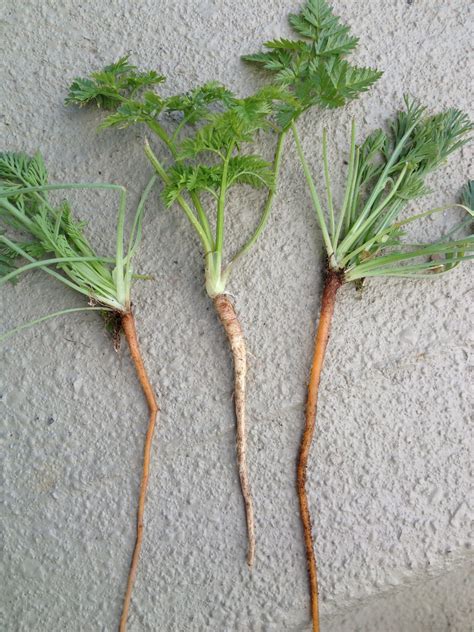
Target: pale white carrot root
[226, 312]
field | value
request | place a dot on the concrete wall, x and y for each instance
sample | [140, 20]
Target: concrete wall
[389, 472]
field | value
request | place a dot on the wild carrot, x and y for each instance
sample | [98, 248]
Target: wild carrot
[49, 237]
[314, 71]
[365, 239]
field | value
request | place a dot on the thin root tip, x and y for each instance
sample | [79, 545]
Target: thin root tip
[250, 560]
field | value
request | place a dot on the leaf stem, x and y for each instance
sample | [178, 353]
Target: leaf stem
[32, 323]
[107, 299]
[408, 271]
[349, 183]
[377, 239]
[170, 143]
[353, 192]
[327, 181]
[160, 170]
[221, 202]
[162, 134]
[378, 188]
[268, 203]
[119, 259]
[135, 234]
[180, 126]
[20, 217]
[24, 254]
[354, 234]
[423, 250]
[11, 191]
[42, 263]
[315, 198]
[202, 217]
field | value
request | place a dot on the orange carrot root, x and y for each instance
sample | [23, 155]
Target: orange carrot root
[332, 284]
[228, 318]
[128, 324]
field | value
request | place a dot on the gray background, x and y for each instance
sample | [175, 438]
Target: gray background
[389, 473]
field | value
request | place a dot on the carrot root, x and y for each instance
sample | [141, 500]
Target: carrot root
[332, 284]
[128, 325]
[228, 318]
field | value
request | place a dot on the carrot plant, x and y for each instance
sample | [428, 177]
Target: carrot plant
[46, 235]
[365, 238]
[314, 70]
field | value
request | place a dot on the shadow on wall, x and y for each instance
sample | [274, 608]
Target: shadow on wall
[442, 604]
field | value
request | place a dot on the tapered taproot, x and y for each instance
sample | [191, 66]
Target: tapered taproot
[332, 283]
[228, 317]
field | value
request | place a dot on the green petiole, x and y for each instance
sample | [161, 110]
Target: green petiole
[268, 203]
[37, 321]
[314, 197]
[161, 171]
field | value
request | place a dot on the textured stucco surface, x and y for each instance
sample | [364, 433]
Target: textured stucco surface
[389, 474]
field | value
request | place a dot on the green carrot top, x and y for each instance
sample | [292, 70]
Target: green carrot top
[46, 235]
[209, 134]
[386, 172]
[313, 68]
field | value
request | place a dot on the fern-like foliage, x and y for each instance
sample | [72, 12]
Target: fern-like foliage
[113, 85]
[415, 146]
[34, 230]
[216, 153]
[52, 230]
[433, 139]
[7, 260]
[399, 163]
[251, 170]
[19, 170]
[238, 124]
[194, 105]
[125, 90]
[208, 133]
[386, 171]
[130, 112]
[313, 68]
